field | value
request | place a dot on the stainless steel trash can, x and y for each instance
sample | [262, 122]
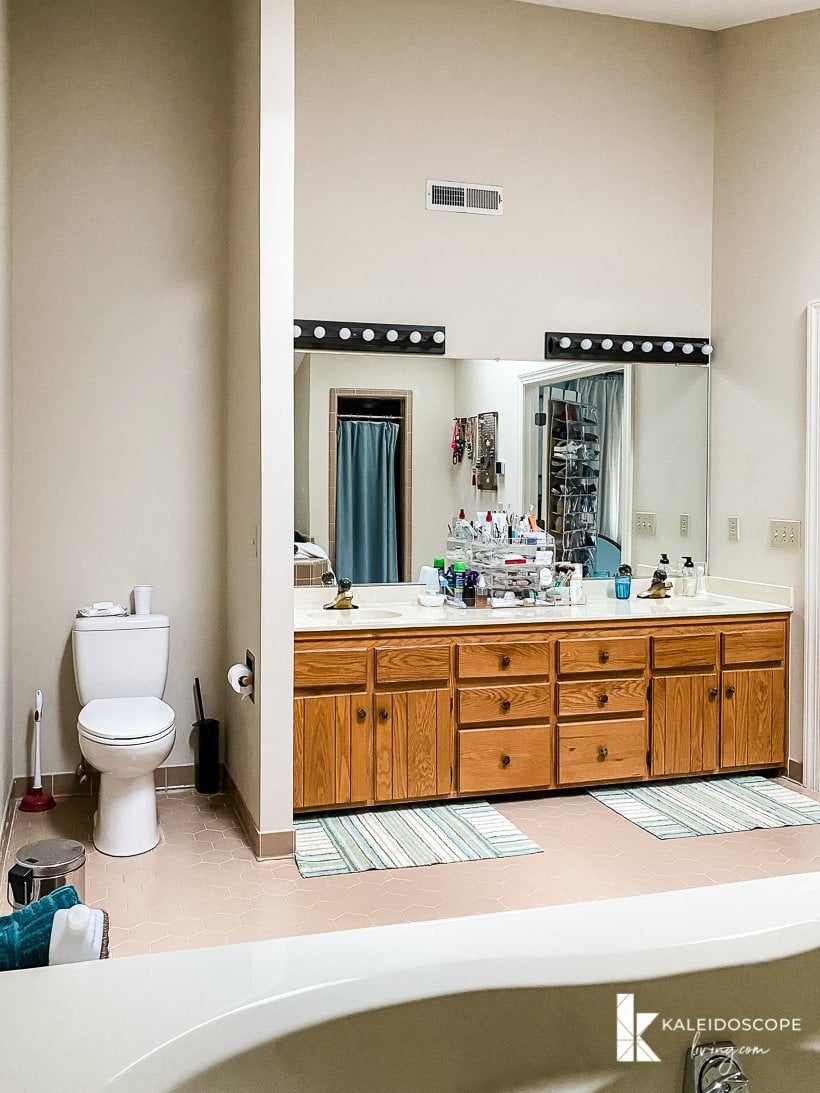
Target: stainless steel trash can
[43, 866]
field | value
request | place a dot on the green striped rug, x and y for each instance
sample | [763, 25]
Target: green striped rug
[710, 806]
[395, 838]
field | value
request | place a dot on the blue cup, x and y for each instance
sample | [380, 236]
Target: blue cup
[623, 587]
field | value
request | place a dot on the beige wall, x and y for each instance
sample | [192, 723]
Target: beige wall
[766, 269]
[243, 464]
[5, 421]
[599, 129]
[119, 125]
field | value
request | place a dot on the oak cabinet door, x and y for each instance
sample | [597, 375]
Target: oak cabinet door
[753, 730]
[414, 744]
[685, 724]
[332, 750]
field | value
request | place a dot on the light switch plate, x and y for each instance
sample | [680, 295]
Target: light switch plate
[734, 529]
[684, 525]
[646, 523]
[785, 534]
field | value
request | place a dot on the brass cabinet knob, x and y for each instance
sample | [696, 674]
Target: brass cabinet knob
[505, 760]
[603, 656]
[603, 752]
[506, 705]
[505, 662]
[603, 699]
[713, 693]
[361, 714]
[730, 691]
[383, 715]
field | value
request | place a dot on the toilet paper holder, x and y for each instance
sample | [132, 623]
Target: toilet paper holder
[241, 676]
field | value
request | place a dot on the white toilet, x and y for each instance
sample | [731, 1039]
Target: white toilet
[126, 731]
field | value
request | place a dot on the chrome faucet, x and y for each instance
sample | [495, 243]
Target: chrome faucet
[344, 597]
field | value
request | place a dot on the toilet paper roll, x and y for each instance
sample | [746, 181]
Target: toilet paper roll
[240, 679]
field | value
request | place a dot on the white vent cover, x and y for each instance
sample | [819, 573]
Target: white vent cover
[465, 197]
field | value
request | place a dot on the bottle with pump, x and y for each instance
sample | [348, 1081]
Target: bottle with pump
[690, 579]
[482, 593]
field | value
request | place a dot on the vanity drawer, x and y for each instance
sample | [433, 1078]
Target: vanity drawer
[757, 645]
[413, 664]
[503, 759]
[604, 696]
[684, 650]
[504, 702]
[601, 751]
[513, 658]
[329, 667]
[578, 657]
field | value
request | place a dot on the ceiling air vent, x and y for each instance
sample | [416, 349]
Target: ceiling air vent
[465, 197]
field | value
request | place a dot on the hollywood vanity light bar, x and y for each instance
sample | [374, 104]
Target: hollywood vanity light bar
[367, 337]
[560, 346]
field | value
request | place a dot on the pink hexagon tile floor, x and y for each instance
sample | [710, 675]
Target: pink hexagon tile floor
[203, 886]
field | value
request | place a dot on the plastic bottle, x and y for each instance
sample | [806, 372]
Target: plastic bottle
[482, 593]
[76, 934]
[690, 578]
[459, 570]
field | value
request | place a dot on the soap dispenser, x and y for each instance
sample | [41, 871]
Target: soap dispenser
[690, 579]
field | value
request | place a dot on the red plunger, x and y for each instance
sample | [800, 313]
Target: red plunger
[36, 800]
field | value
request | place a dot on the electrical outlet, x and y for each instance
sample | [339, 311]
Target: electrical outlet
[785, 534]
[646, 523]
[734, 529]
[684, 525]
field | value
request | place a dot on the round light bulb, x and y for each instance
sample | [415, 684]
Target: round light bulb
[607, 344]
[392, 335]
[415, 337]
[687, 348]
[667, 347]
[368, 334]
[646, 347]
[586, 343]
[628, 347]
[297, 330]
[707, 350]
[565, 343]
[319, 332]
[438, 337]
[344, 333]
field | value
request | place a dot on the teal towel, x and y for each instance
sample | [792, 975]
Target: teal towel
[25, 934]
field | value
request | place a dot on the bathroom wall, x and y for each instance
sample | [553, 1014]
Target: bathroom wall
[243, 481]
[766, 269]
[599, 129]
[119, 126]
[5, 419]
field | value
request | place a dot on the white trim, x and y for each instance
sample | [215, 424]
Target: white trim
[811, 607]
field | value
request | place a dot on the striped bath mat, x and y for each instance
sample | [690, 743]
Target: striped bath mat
[710, 806]
[394, 838]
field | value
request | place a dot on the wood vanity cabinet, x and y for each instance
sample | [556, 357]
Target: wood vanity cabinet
[412, 715]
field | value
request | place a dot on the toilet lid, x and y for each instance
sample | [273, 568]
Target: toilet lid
[126, 719]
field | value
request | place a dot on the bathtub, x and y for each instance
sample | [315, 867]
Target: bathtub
[513, 1002]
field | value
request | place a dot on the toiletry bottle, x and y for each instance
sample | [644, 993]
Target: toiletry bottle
[690, 579]
[459, 570]
[623, 582]
[576, 585]
[481, 592]
[700, 575]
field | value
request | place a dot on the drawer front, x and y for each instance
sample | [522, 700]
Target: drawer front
[757, 645]
[504, 703]
[601, 751]
[513, 658]
[684, 651]
[503, 759]
[413, 663]
[604, 696]
[601, 655]
[329, 667]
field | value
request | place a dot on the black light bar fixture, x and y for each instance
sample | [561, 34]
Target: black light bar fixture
[323, 334]
[562, 346]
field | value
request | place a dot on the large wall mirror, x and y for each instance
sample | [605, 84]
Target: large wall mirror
[389, 449]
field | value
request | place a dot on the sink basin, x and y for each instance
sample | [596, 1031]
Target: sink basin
[362, 615]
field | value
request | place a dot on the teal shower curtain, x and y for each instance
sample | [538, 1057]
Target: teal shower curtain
[366, 533]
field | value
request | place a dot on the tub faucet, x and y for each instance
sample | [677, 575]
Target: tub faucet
[344, 597]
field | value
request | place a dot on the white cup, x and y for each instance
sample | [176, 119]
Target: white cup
[142, 599]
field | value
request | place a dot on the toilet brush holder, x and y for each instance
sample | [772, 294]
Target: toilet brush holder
[206, 766]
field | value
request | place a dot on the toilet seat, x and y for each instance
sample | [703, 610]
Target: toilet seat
[126, 721]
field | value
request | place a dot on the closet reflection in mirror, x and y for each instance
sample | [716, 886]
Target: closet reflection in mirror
[389, 449]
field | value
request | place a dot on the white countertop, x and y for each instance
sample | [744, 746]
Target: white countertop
[385, 607]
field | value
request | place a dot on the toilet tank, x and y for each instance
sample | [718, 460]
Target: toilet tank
[121, 657]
